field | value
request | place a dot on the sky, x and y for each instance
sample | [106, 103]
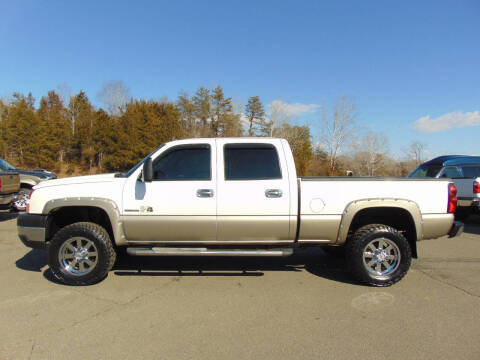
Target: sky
[411, 67]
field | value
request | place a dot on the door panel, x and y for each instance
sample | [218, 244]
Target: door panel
[253, 193]
[170, 228]
[174, 206]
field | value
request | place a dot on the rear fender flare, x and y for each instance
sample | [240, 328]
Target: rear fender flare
[355, 206]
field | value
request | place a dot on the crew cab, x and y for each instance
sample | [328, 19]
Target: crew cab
[233, 197]
[464, 171]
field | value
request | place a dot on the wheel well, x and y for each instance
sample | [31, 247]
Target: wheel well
[25, 186]
[398, 218]
[67, 215]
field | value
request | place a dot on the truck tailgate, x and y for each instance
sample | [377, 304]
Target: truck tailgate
[10, 183]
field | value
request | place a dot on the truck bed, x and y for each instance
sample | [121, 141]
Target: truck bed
[10, 182]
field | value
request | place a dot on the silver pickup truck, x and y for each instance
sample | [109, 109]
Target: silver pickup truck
[465, 173]
[233, 197]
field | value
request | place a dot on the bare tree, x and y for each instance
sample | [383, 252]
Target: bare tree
[337, 130]
[65, 93]
[114, 95]
[370, 152]
[415, 151]
[279, 116]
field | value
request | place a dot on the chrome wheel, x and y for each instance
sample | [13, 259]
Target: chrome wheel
[381, 257]
[21, 203]
[78, 256]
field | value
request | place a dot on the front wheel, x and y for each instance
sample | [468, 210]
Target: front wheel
[81, 254]
[378, 255]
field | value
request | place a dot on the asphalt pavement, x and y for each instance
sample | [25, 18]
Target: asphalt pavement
[302, 307]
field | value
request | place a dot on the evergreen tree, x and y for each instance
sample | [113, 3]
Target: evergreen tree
[201, 102]
[105, 139]
[82, 117]
[21, 130]
[299, 139]
[187, 111]
[55, 128]
[222, 109]
[141, 129]
[255, 113]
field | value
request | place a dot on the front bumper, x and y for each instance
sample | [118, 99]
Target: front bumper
[31, 230]
[456, 230]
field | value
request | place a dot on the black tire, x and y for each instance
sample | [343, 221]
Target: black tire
[335, 251]
[361, 247]
[92, 237]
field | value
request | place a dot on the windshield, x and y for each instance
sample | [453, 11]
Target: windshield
[132, 170]
[425, 171]
[6, 166]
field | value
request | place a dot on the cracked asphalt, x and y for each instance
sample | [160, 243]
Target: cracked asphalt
[302, 307]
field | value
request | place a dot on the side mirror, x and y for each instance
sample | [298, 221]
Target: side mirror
[147, 170]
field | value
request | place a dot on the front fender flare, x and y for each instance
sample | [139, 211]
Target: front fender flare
[109, 206]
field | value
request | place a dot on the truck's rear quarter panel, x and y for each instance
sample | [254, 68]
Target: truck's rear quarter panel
[324, 200]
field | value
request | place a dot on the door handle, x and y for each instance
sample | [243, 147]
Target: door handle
[203, 193]
[273, 193]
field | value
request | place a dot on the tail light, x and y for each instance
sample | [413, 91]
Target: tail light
[0, 182]
[28, 205]
[452, 198]
[476, 187]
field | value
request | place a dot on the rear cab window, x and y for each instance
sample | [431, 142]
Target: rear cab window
[470, 171]
[451, 172]
[251, 162]
[425, 171]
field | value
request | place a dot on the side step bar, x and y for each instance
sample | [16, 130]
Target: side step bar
[171, 251]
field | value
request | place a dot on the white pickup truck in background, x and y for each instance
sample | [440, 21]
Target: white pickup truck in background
[465, 173]
[233, 197]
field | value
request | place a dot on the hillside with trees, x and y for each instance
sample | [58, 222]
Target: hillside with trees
[69, 135]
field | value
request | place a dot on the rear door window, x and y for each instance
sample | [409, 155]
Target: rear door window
[251, 162]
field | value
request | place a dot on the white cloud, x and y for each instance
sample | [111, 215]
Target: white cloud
[448, 121]
[290, 110]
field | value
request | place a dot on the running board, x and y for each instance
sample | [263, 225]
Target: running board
[171, 251]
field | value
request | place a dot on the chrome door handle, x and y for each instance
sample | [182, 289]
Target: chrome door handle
[273, 193]
[204, 193]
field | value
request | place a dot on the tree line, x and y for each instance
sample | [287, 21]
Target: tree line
[68, 134]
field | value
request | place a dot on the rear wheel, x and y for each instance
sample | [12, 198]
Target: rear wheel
[378, 255]
[81, 254]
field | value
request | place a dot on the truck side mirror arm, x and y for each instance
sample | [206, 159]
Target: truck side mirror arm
[147, 174]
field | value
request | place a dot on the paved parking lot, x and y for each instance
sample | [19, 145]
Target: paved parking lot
[303, 307]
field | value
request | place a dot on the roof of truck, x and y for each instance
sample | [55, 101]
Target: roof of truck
[446, 160]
